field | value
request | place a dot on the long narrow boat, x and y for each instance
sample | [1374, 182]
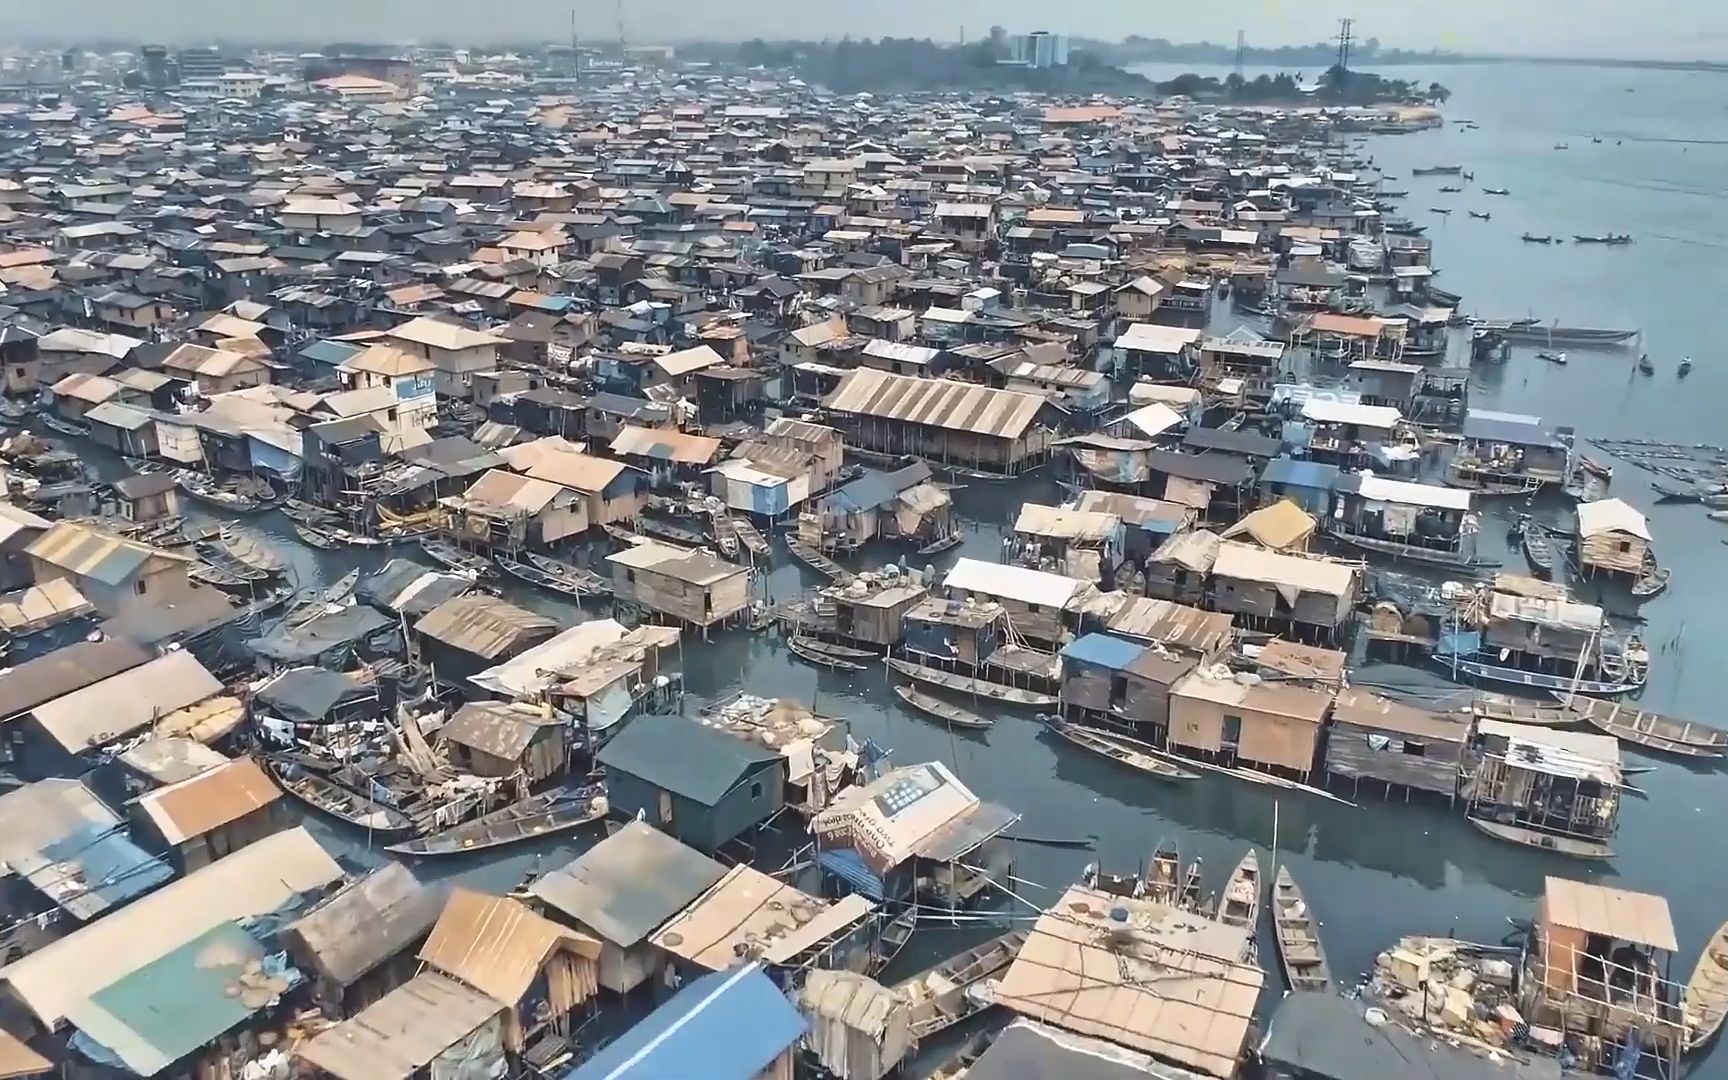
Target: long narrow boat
[1538, 548]
[817, 561]
[952, 715]
[895, 934]
[1457, 560]
[533, 818]
[1652, 578]
[537, 577]
[844, 652]
[1299, 946]
[1575, 846]
[332, 799]
[588, 581]
[797, 647]
[666, 530]
[939, 994]
[751, 538]
[965, 684]
[205, 490]
[1239, 903]
[313, 536]
[940, 544]
[1706, 1000]
[1512, 710]
[71, 428]
[451, 557]
[1651, 730]
[1119, 751]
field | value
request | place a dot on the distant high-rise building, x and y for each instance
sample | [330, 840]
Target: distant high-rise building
[205, 63]
[1039, 49]
[155, 65]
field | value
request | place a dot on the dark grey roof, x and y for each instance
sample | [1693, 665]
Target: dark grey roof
[1213, 468]
[1326, 1037]
[64, 670]
[382, 914]
[1246, 443]
[683, 757]
[306, 642]
[1029, 1051]
[630, 883]
[144, 485]
[306, 695]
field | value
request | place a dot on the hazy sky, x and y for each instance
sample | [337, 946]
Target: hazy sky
[1675, 29]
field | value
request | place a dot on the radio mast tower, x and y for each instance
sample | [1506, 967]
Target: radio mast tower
[1241, 47]
[1344, 40]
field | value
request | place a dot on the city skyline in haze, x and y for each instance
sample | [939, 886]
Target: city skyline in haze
[1653, 29]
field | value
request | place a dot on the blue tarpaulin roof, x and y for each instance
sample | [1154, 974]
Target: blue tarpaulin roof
[1308, 474]
[729, 1025]
[111, 867]
[847, 865]
[1104, 650]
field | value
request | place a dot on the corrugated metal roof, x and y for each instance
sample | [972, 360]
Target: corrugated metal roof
[365, 924]
[258, 878]
[123, 703]
[209, 800]
[1246, 562]
[89, 552]
[1104, 650]
[495, 727]
[624, 887]
[484, 625]
[683, 757]
[727, 1025]
[1014, 583]
[941, 403]
[1037, 519]
[663, 445]
[1616, 913]
[496, 944]
[64, 670]
[1611, 515]
[399, 1034]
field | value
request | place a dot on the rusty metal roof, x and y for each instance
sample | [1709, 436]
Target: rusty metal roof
[497, 945]
[942, 403]
[483, 625]
[209, 800]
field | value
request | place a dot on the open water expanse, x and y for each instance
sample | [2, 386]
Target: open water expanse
[1373, 873]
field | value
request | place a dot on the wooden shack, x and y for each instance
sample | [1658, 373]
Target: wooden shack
[1249, 723]
[994, 431]
[1312, 598]
[1041, 607]
[1083, 544]
[1181, 569]
[1613, 538]
[622, 890]
[871, 608]
[359, 944]
[700, 785]
[961, 632]
[493, 738]
[1146, 698]
[1378, 739]
[1543, 788]
[695, 588]
[1095, 673]
[216, 813]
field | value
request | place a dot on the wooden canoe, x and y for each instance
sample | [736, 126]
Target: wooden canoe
[328, 797]
[1575, 846]
[1651, 730]
[589, 582]
[939, 994]
[817, 561]
[844, 652]
[1121, 751]
[1189, 898]
[1706, 1000]
[451, 557]
[535, 576]
[1538, 548]
[940, 544]
[965, 684]
[893, 938]
[750, 537]
[312, 536]
[1299, 946]
[801, 649]
[1514, 710]
[1239, 903]
[953, 715]
[532, 818]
